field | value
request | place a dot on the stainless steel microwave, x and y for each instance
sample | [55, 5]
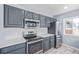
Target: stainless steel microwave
[30, 23]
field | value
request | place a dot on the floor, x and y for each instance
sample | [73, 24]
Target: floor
[64, 49]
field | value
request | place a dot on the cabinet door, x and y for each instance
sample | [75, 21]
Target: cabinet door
[46, 44]
[35, 16]
[53, 20]
[48, 20]
[51, 41]
[28, 15]
[18, 51]
[0, 51]
[12, 48]
[42, 21]
[13, 17]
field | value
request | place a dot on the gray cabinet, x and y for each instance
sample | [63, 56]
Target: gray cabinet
[13, 17]
[51, 41]
[0, 51]
[17, 49]
[48, 20]
[42, 21]
[28, 15]
[53, 20]
[46, 44]
[36, 16]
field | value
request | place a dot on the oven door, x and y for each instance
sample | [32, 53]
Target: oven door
[35, 47]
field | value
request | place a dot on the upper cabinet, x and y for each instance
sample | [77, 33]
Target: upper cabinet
[48, 20]
[53, 20]
[31, 15]
[13, 17]
[28, 15]
[45, 21]
[42, 21]
[36, 16]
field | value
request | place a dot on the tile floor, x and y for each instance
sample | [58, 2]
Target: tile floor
[64, 49]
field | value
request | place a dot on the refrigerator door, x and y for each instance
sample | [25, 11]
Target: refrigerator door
[58, 41]
[58, 35]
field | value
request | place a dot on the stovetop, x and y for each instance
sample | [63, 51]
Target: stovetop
[33, 38]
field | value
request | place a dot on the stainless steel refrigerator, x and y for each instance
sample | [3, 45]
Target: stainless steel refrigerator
[55, 28]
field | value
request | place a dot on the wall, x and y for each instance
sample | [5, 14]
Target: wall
[70, 40]
[1, 21]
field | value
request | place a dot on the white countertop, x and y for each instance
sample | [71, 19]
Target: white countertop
[10, 42]
[45, 35]
[14, 41]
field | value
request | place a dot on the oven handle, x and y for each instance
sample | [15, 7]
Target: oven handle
[34, 41]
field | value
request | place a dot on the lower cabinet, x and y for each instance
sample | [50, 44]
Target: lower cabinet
[0, 51]
[46, 44]
[18, 51]
[15, 49]
[51, 41]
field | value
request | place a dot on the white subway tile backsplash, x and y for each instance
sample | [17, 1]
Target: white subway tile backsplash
[42, 31]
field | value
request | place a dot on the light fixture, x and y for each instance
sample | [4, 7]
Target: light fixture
[65, 7]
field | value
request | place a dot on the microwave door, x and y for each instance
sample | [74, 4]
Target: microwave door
[29, 24]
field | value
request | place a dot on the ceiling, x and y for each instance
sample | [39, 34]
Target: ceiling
[48, 9]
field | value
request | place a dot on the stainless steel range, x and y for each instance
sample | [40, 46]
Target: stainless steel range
[34, 43]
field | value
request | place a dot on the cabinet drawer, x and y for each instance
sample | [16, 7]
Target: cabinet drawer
[12, 48]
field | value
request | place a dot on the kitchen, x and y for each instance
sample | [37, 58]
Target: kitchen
[27, 32]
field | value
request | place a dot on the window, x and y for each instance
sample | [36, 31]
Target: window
[71, 26]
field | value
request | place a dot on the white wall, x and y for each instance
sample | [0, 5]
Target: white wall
[1, 21]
